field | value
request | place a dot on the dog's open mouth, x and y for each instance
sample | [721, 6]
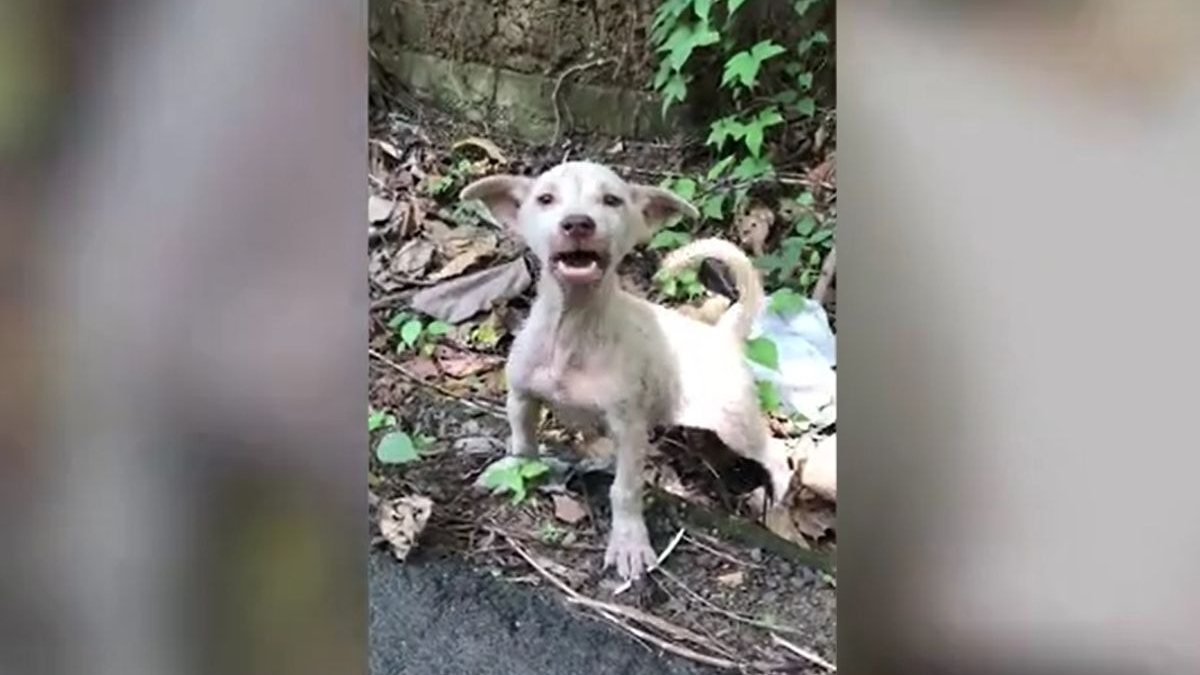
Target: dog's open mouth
[579, 266]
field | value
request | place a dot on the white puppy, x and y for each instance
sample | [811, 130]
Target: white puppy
[592, 351]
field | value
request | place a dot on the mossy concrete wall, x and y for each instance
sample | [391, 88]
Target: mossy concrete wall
[498, 61]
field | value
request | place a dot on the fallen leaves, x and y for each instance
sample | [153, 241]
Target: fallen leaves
[401, 522]
[379, 209]
[489, 148]
[459, 299]
[754, 226]
[458, 363]
[568, 509]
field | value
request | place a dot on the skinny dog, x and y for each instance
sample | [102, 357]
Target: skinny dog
[595, 353]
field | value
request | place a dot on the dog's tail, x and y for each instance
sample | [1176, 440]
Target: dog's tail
[749, 287]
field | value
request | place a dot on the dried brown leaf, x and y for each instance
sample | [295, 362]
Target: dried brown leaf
[460, 363]
[754, 226]
[820, 468]
[568, 509]
[401, 522]
[488, 147]
[412, 259]
[379, 209]
[463, 261]
[458, 299]
[732, 579]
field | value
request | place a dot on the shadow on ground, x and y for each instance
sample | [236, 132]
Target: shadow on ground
[440, 617]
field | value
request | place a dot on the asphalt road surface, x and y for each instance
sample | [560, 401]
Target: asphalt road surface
[439, 617]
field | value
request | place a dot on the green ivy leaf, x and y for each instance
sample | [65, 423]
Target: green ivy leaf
[752, 168]
[719, 168]
[804, 81]
[685, 39]
[378, 419]
[817, 38]
[743, 66]
[721, 131]
[762, 350]
[684, 187]
[712, 207]
[674, 90]
[532, 468]
[802, 6]
[397, 447]
[805, 106]
[805, 225]
[410, 331]
[785, 302]
[397, 319]
[438, 328]
[768, 395]
[667, 238]
[702, 8]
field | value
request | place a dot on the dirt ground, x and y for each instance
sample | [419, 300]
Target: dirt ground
[729, 590]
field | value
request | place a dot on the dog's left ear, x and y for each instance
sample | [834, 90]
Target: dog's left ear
[502, 195]
[658, 205]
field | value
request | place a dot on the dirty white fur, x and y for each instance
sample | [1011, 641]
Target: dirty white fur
[593, 352]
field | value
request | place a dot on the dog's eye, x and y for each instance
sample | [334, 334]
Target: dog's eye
[612, 200]
[545, 198]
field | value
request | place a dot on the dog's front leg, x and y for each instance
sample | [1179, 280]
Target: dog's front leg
[629, 547]
[524, 412]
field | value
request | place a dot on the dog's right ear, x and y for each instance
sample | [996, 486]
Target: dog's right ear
[502, 195]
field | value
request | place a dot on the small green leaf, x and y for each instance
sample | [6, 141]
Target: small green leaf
[805, 225]
[712, 207]
[397, 319]
[805, 106]
[754, 139]
[752, 168]
[438, 328]
[410, 331]
[768, 395]
[786, 302]
[397, 447]
[721, 131]
[820, 237]
[675, 90]
[667, 238]
[804, 80]
[805, 198]
[688, 276]
[684, 187]
[719, 168]
[375, 419]
[532, 468]
[702, 8]
[762, 350]
[801, 6]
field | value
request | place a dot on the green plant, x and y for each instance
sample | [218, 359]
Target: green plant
[401, 447]
[550, 534]
[454, 178]
[412, 333]
[379, 419]
[681, 285]
[807, 243]
[514, 475]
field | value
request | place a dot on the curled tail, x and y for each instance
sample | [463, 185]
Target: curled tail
[745, 277]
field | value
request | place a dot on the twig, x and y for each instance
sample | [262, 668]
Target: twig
[717, 609]
[625, 585]
[605, 610]
[435, 386]
[820, 291]
[719, 553]
[804, 653]
[648, 619]
[554, 98]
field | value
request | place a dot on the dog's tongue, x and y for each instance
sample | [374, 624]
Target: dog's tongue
[578, 273]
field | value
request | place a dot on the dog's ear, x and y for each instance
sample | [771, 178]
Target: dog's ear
[658, 205]
[502, 195]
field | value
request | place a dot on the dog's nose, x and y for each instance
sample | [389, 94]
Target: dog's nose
[578, 227]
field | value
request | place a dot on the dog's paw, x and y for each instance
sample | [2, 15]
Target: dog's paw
[629, 550]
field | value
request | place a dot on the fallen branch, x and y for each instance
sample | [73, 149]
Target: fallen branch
[820, 291]
[611, 612]
[804, 653]
[408, 375]
[625, 585]
[729, 614]
[554, 98]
